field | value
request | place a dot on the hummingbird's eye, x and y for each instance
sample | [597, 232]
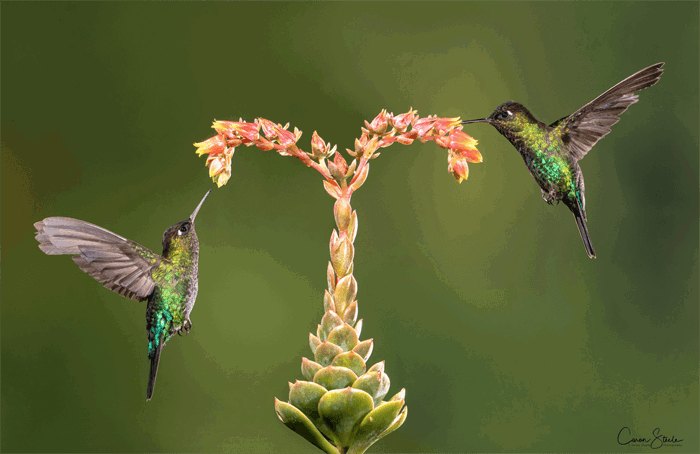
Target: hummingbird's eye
[183, 230]
[503, 115]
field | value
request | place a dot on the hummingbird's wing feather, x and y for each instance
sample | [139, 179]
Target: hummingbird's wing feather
[585, 127]
[121, 265]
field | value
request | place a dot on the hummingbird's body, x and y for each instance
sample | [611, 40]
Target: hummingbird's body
[168, 281]
[551, 153]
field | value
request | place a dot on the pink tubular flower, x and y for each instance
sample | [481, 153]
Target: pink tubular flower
[286, 138]
[238, 128]
[465, 145]
[442, 141]
[422, 126]
[264, 144]
[457, 166]
[212, 145]
[443, 125]
[268, 127]
[220, 166]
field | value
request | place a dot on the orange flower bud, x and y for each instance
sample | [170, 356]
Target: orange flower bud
[379, 124]
[401, 122]
[319, 148]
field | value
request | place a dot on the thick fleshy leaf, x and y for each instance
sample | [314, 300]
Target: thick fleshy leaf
[326, 352]
[364, 349]
[377, 424]
[350, 314]
[333, 377]
[358, 328]
[401, 395]
[328, 303]
[352, 361]
[314, 342]
[359, 178]
[343, 410]
[375, 383]
[344, 337]
[299, 423]
[329, 322]
[330, 277]
[309, 368]
[334, 241]
[305, 395]
[345, 292]
[352, 228]
[377, 367]
[342, 256]
[342, 210]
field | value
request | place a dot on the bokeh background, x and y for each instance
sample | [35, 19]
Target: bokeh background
[479, 296]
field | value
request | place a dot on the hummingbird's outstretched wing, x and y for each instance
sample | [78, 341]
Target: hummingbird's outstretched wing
[583, 128]
[119, 264]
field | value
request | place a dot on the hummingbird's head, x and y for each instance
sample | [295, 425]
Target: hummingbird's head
[509, 118]
[182, 236]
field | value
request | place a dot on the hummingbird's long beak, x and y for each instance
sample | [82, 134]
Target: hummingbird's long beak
[481, 120]
[196, 210]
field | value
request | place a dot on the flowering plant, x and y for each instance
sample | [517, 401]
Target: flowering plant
[340, 407]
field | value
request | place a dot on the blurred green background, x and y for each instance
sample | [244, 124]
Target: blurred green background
[479, 296]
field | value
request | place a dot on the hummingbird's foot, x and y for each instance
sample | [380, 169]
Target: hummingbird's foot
[550, 198]
[187, 326]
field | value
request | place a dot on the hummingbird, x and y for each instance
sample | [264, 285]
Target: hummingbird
[169, 282]
[551, 153]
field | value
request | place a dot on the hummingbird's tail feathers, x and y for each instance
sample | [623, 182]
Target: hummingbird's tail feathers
[580, 216]
[119, 264]
[583, 230]
[585, 127]
[154, 369]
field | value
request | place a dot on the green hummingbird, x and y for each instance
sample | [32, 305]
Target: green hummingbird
[552, 152]
[169, 282]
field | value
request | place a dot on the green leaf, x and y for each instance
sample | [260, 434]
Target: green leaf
[345, 292]
[299, 423]
[364, 349]
[314, 342]
[305, 395]
[344, 337]
[350, 314]
[352, 361]
[379, 423]
[329, 322]
[309, 368]
[326, 352]
[343, 410]
[332, 377]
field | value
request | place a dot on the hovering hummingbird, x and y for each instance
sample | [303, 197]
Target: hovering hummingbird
[168, 282]
[552, 152]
